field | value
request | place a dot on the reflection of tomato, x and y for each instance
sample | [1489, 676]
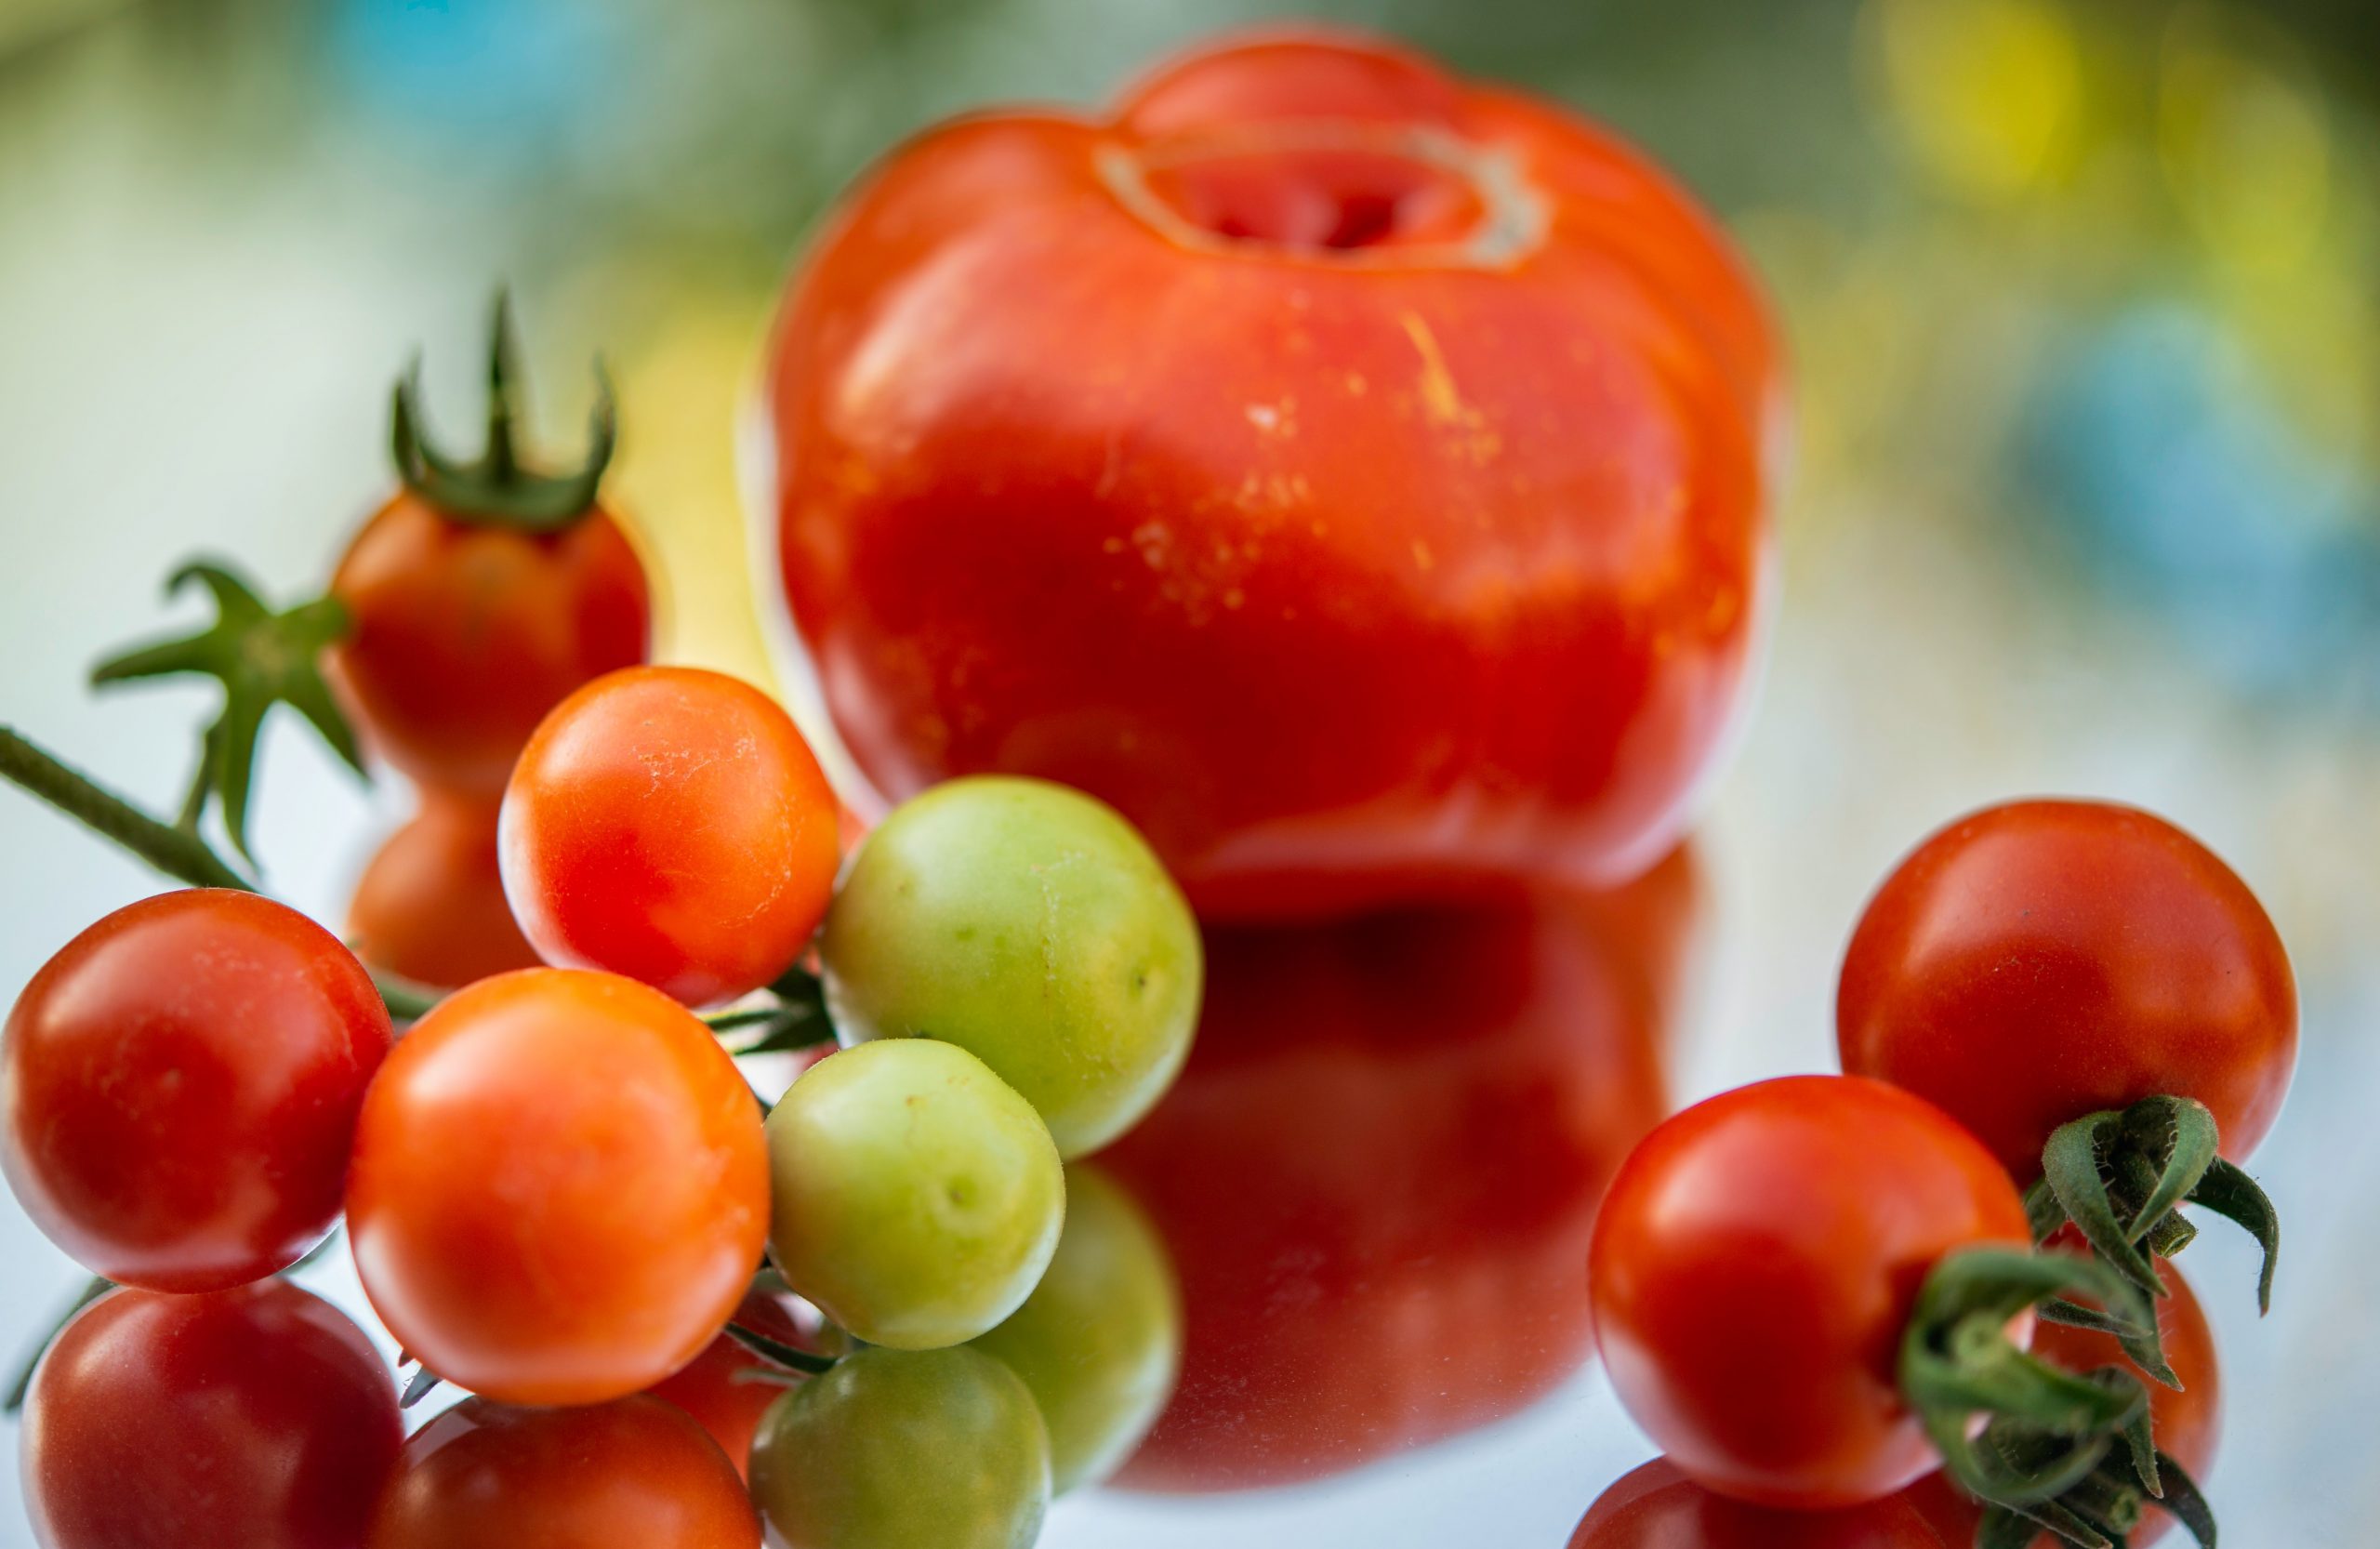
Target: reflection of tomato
[634, 1472]
[178, 1088]
[466, 633]
[2038, 961]
[723, 1388]
[256, 1418]
[1379, 1173]
[431, 906]
[2188, 1419]
[1656, 1507]
[1755, 1269]
[1351, 473]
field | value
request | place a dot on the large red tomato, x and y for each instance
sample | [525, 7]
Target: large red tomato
[2040, 961]
[1656, 1507]
[1379, 1173]
[254, 1418]
[1356, 475]
[1756, 1265]
[179, 1086]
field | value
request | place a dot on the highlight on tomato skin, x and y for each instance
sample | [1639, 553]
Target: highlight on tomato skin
[253, 1418]
[1307, 454]
[1377, 1176]
[429, 906]
[2040, 961]
[233, 1168]
[1657, 1507]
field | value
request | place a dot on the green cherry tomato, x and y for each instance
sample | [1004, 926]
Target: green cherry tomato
[1031, 925]
[914, 1197]
[1099, 1341]
[905, 1449]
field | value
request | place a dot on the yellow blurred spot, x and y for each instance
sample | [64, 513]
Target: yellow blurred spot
[2245, 144]
[1988, 93]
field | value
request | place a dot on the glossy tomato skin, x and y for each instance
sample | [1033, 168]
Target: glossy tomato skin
[634, 1472]
[2038, 961]
[560, 1189]
[1378, 1173]
[430, 905]
[180, 1086]
[1345, 572]
[670, 824]
[1755, 1265]
[2188, 1419]
[462, 635]
[1656, 1507]
[254, 1418]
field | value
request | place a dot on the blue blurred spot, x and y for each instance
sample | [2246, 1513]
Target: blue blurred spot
[514, 77]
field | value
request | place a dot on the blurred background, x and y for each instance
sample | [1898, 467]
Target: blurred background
[2086, 301]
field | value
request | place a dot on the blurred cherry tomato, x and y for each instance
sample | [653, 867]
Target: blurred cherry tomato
[1356, 475]
[1756, 1265]
[431, 906]
[1656, 1507]
[2188, 1420]
[634, 1474]
[559, 1190]
[256, 1418]
[2038, 961]
[1378, 1173]
[723, 1388]
[670, 824]
[181, 1085]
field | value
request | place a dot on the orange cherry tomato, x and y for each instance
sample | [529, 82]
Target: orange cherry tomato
[464, 634]
[1656, 1507]
[560, 1189]
[1377, 1174]
[670, 824]
[2035, 962]
[178, 1088]
[1755, 1267]
[1356, 475]
[431, 906]
[634, 1474]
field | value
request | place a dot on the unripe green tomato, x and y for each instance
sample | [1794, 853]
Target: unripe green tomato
[1031, 925]
[1100, 1340]
[914, 1197]
[905, 1449]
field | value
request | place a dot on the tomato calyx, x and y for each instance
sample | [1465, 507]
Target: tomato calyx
[2102, 1508]
[791, 1357]
[2120, 1177]
[497, 490]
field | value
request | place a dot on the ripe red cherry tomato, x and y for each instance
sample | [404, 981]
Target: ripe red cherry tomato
[2041, 960]
[256, 1418]
[1356, 475]
[632, 1473]
[431, 906]
[670, 824]
[1755, 1265]
[560, 1189]
[181, 1085]
[719, 1388]
[464, 634]
[1656, 1507]
[1377, 1175]
[2188, 1420]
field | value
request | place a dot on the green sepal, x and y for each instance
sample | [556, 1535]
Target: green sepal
[497, 491]
[791, 1356]
[2234, 1196]
[419, 1386]
[263, 659]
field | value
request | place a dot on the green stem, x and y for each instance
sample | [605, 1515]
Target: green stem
[179, 854]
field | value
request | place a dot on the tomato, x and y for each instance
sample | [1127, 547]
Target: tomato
[2188, 1420]
[181, 1085]
[464, 634]
[1378, 1173]
[723, 1388]
[431, 906]
[1656, 1507]
[1356, 475]
[254, 1418]
[1756, 1265]
[560, 1189]
[2038, 961]
[670, 824]
[633, 1472]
